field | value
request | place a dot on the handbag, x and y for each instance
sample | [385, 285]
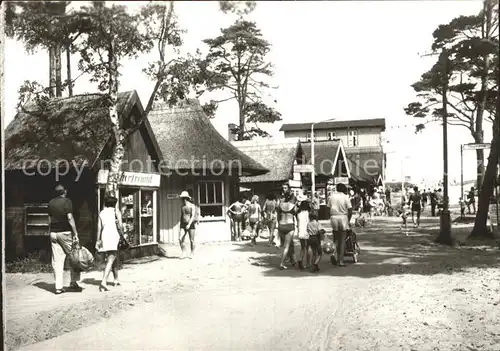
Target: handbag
[123, 244]
[80, 258]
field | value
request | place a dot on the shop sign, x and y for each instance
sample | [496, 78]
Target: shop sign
[172, 196]
[303, 168]
[477, 146]
[131, 179]
[341, 180]
[294, 183]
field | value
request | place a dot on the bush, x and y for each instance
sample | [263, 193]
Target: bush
[32, 263]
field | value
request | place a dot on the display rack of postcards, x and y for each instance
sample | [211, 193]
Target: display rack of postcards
[146, 217]
[129, 218]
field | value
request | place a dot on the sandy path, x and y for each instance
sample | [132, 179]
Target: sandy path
[405, 294]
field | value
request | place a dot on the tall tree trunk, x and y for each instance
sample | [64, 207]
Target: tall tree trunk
[480, 168]
[485, 34]
[52, 72]
[480, 225]
[58, 69]
[69, 83]
[119, 148]
[241, 133]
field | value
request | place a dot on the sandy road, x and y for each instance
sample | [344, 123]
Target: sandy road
[405, 294]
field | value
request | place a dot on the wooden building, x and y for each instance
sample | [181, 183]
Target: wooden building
[68, 140]
[280, 156]
[202, 162]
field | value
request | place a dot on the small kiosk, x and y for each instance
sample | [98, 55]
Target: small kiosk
[137, 200]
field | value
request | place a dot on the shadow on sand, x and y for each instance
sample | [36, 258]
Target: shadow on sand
[386, 250]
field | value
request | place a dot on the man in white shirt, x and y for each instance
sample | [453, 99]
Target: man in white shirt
[340, 215]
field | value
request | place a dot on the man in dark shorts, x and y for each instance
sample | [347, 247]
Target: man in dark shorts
[188, 223]
[63, 235]
[416, 206]
[471, 200]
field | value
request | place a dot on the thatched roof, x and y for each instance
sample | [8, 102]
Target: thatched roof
[326, 155]
[365, 164]
[74, 129]
[277, 155]
[360, 123]
[189, 141]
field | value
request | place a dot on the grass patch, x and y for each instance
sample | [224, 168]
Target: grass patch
[32, 263]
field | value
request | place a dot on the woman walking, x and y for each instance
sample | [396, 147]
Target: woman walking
[188, 223]
[302, 221]
[254, 213]
[286, 227]
[270, 215]
[107, 240]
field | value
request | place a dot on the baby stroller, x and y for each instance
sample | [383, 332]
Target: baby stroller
[351, 248]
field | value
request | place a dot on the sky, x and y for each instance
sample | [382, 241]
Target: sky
[343, 60]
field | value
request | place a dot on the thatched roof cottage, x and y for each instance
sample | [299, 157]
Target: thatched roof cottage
[202, 162]
[280, 156]
[67, 140]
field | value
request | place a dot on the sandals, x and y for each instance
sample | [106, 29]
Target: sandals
[282, 268]
[59, 291]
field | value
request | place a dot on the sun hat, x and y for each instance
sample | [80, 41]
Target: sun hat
[301, 198]
[185, 195]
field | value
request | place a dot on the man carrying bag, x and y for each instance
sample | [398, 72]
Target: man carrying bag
[63, 236]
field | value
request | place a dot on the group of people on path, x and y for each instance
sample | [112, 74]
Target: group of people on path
[294, 216]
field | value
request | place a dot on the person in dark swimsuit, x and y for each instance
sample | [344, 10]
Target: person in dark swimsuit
[286, 226]
[254, 217]
[269, 215]
[188, 223]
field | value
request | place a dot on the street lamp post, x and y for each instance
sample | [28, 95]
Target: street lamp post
[313, 173]
[444, 236]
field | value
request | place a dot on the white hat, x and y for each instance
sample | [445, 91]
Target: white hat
[301, 198]
[184, 195]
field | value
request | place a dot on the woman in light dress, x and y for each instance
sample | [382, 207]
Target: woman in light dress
[107, 240]
[302, 220]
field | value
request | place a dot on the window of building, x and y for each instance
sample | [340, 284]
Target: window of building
[331, 135]
[211, 199]
[308, 137]
[352, 138]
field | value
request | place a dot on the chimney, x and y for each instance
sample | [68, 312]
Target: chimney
[231, 135]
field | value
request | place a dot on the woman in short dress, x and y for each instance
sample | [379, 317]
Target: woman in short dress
[107, 240]
[302, 220]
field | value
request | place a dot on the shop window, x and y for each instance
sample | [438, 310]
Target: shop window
[137, 207]
[211, 199]
[331, 135]
[147, 216]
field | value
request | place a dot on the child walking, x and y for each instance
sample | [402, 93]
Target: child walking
[316, 235]
[404, 212]
[302, 221]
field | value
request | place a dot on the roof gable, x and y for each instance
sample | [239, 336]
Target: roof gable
[326, 156]
[74, 129]
[276, 155]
